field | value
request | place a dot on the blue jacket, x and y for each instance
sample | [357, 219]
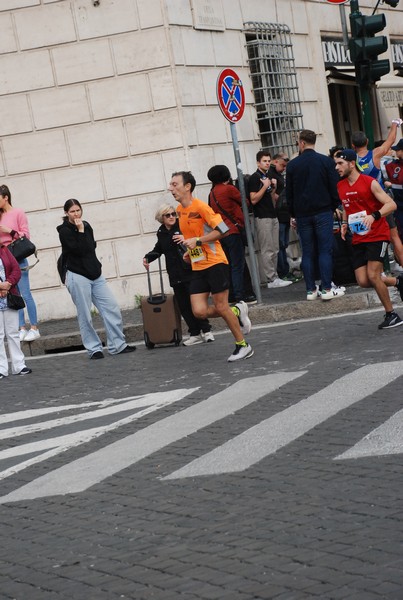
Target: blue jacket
[311, 184]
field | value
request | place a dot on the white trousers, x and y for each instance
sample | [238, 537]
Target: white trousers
[9, 330]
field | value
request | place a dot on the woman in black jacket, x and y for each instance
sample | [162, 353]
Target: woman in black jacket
[87, 286]
[179, 273]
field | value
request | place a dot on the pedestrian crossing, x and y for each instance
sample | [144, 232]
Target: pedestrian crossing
[76, 425]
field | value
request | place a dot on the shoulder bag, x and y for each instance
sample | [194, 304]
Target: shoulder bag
[241, 229]
[21, 248]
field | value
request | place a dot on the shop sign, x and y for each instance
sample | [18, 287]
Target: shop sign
[391, 97]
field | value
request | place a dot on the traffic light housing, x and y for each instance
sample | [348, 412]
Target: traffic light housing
[365, 47]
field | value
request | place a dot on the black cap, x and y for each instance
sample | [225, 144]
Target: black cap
[399, 145]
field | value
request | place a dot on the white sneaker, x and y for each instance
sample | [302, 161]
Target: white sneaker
[312, 295]
[193, 340]
[330, 294]
[241, 352]
[208, 336]
[244, 319]
[276, 283]
[32, 334]
[23, 334]
[338, 287]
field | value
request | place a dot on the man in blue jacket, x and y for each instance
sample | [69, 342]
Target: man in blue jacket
[312, 199]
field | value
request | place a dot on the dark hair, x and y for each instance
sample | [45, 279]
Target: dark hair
[69, 203]
[5, 191]
[187, 178]
[218, 174]
[359, 139]
[334, 149]
[308, 136]
[262, 153]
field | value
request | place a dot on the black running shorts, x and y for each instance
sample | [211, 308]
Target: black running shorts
[369, 251]
[215, 279]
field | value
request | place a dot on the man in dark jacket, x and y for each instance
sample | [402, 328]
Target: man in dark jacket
[312, 199]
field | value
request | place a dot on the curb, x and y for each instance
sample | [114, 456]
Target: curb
[262, 314]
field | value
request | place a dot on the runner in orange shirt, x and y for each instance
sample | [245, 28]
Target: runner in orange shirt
[201, 230]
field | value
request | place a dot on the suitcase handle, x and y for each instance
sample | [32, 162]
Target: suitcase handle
[158, 298]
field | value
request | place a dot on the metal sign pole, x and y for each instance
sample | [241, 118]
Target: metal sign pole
[252, 255]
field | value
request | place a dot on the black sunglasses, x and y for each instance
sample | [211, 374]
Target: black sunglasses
[173, 214]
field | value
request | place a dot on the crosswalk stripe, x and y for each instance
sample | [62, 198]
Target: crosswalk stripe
[270, 435]
[87, 471]
[384, 440]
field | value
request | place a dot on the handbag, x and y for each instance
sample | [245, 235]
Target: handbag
[21, 248]
[242, 230]
[62, 267]
[15, 301]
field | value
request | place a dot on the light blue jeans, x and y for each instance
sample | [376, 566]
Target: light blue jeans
[84, 293]
[25, 291]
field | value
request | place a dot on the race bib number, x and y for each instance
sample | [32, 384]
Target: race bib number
[196, 254]
[355, 222]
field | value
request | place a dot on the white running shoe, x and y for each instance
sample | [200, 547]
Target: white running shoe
[208, 336]
[244, 319]
[241, 352]
[32, 335]
[330, 294]
[193, 340]
[312, 295]
[276, 283]
[23, 334]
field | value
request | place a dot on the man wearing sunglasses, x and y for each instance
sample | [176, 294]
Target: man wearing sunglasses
[365, 206]
[201, 230]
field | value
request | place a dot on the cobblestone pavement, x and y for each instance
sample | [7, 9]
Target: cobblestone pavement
[278, 477]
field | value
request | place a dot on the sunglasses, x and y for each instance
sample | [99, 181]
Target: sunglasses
[173, 214]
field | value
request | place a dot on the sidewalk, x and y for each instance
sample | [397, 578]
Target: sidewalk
[278, 305]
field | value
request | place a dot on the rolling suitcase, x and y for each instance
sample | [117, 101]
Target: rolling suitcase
[161, 316]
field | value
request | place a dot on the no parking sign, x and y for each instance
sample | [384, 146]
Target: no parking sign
[230, 95]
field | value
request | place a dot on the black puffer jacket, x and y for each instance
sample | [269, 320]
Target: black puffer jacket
[79, 248]
[178, 270]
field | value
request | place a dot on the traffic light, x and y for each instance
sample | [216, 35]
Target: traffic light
[365, 47]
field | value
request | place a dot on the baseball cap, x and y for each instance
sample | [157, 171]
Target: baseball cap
[346, 154]
[399, 145]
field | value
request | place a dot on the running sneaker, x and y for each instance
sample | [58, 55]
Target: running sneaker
[399, 285]
[208, 336]
[391, 320]
[241, 352]
[193, 340]
[243, 317]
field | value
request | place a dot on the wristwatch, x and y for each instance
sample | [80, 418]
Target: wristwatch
[198, 242]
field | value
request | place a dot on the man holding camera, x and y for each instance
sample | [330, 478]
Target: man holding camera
[263, 197]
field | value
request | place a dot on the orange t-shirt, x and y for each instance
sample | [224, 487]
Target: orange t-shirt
[196, 220]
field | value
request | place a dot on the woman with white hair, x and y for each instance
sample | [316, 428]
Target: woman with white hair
[179, 273]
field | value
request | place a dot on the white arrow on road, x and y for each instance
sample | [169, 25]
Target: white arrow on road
[272, 434]
[87, 471]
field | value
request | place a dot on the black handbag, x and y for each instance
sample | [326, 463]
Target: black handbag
[21, 248]
[14, 301]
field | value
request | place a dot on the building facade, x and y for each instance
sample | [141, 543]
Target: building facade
[101, 100]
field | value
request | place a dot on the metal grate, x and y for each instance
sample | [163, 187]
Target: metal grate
[274, 82]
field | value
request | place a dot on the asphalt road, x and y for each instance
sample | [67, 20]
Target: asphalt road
[171, 474]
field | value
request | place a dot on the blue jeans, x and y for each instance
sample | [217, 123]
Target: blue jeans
[283, 268]
[85, 292]
[25, 291]
[316, 236]
[235, 252]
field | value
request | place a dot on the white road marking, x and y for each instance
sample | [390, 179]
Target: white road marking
[279, 430]
[87, 471]
[385, 439]
[52, 446]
